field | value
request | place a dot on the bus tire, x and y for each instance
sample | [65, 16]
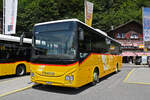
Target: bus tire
[20, 70]
[117, 68]
[95, 76]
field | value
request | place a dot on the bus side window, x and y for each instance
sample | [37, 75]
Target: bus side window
[115, 49]
[99, 45]
[4, 53]
[85, 44]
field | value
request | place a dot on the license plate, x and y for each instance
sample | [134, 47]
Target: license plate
[48, 82]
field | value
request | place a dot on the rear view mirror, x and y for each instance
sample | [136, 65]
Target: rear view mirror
[21, 38]
[108, 41]
[81, 34]
[33, 41]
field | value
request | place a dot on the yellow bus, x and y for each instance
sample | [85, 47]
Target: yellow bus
[14, 57]
[69, 53]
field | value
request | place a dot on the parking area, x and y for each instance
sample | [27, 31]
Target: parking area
[138, 76]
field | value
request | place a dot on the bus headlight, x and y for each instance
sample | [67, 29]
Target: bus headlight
[69, 77]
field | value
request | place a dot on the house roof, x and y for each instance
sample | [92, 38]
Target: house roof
[123, 25]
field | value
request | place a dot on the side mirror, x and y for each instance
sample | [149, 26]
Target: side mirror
[108, 41]
[21, 38]
[81, 34]
[33, 41]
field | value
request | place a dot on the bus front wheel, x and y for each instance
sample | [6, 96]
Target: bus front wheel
[95, 76]
[20, 70]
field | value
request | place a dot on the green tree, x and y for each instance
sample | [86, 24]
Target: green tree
[35, 12]
[106, 12]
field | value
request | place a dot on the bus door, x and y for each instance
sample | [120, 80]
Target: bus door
[84, 68]
[85, 60]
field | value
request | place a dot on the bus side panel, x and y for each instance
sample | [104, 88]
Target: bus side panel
[120, 62]
[85, 68]
[27, 66]
[113, 63]
[106, 64]
[2, 72]
[101, 67]
[10, 68]
[6, 69]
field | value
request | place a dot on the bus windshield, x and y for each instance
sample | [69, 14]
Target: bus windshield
[55, 40]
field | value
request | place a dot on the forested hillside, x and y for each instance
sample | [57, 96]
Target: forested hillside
[106, 12]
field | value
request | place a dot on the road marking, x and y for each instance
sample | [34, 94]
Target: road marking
[14, 91]
[138, 83]
[128, 75]
[125, 80]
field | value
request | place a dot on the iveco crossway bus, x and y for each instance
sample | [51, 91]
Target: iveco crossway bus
[69, 53]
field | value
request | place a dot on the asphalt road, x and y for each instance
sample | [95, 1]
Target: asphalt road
[111, 87]
[10, 77]
[5, 78]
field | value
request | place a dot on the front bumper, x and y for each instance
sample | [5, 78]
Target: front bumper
[56, 81]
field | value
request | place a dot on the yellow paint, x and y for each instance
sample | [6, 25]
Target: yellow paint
[82, 72]
[10, 68]
[138, 83]
[14, 91]
[125, 80]
[129, 75]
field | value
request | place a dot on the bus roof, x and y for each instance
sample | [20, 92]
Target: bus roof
[76, 20]
[57, 21]
[14, 39]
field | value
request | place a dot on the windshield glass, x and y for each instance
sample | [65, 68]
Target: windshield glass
[55, 40]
